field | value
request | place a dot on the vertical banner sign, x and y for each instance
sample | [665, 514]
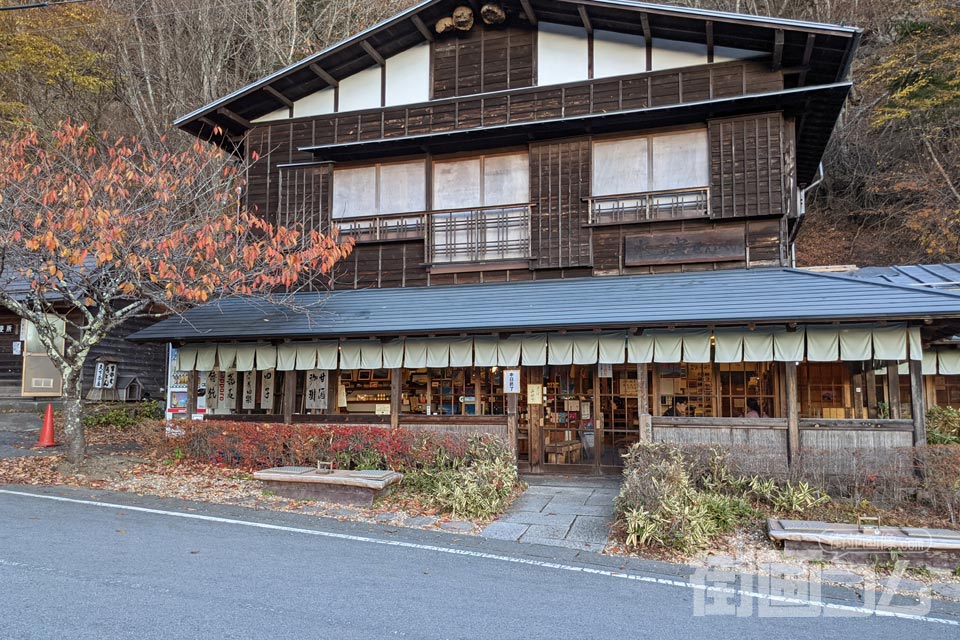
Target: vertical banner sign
[110, 376]
[229, 395]
[249, 390]
[511, 380]
[316, 389]
[268, 379]
[213, 388]
[341, 395]
[98, 376]
[605, 370]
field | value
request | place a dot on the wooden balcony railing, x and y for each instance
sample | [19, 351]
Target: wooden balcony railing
[485, 234]
[650, 206]
[479, 234]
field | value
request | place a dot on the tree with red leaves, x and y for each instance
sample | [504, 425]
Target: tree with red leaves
[96, 231]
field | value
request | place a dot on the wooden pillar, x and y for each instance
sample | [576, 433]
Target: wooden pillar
[396, 399]
[893, 389]
[193, 381]
[858, 396]
[918, 406]
[657, 408]
[793, 412]
[643, 404]
[289, 395]
[512, 420]
[930, 391]
[870, 378]
[535, 422]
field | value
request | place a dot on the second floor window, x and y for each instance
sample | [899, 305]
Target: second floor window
[481, 209]
[663, 176]
[380, 189]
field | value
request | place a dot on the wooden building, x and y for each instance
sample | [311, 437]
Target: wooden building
[574, 224]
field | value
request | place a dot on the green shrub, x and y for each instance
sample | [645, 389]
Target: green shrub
[943, 425]
[478, 485]
[122, 415]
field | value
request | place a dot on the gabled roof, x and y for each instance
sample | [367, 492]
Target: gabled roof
[727, 297]
[823, 51]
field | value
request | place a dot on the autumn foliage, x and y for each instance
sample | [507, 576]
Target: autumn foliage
[96, 230]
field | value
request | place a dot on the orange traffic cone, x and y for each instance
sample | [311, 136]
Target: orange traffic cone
[46, 433]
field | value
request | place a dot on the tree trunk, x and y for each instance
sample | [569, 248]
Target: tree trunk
[76, 444]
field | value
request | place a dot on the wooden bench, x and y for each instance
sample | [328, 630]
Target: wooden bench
[566, 452]
[357, 488]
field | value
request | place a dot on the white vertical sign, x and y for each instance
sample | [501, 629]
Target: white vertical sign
[213, 389]
[511, 380]
[110, 376]
[228, 390]
[605, 370]
[98, 376]
[268, 380]
[249, 397]
[316, 389]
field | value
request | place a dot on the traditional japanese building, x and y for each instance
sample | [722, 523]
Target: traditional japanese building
[574, 225]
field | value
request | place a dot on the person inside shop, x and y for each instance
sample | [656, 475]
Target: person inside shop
[679, 408]
[753, 409]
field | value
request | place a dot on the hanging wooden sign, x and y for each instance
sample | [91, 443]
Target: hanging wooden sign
[249, 396]
[316, 389]
[268, 380]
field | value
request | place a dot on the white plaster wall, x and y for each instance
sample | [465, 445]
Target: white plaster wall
[727, 54]
[618, 54]
[279, 114]
[670, 54]
[315, 104]
[408, 76]
[361, 90]
[562, 54]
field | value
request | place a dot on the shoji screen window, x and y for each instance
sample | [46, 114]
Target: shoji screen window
[369, 201]
[481, 209]
[665, 176]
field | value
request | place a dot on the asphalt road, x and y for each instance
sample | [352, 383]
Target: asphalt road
[77, 570]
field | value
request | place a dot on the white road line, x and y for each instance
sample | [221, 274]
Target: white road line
[491, 556]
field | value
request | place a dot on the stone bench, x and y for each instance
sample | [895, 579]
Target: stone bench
[357, 488]
[803, 538]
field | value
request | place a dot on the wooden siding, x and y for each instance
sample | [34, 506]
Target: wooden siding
[483, 60]
[746, 166]
[144, 361]
[588, 97]
[762, 243]
[559, 184]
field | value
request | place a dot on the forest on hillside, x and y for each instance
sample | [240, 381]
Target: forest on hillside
[891, 190]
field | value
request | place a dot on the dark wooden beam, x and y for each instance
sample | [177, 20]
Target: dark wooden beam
[422, 28]
[396, 397]
[323, 75]
[893, 389]
[645, 22]
[227, 113]
[709, 28]
[193, 382]
[528, 10]
[287, 102]
[210, 123]
[807, 55]
[585, 18]
[373, 53]
[778, 49]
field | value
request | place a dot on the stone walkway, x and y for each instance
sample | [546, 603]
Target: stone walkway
[560, 511]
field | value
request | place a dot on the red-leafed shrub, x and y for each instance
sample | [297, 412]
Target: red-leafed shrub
[253, 445]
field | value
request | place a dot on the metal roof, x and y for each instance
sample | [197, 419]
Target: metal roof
[771, 295]
[831, 49]
[932, 276]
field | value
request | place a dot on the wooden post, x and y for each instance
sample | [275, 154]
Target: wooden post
[917, 405]
[193, 381]
[396, 401]
[657, 407]
[871, 383]
[643, 404]
[893, 389]
[793, 413]
[289, 395]
[512, 421]
[535, 423]
[858, 396]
